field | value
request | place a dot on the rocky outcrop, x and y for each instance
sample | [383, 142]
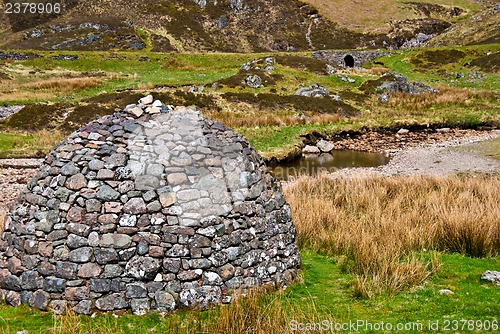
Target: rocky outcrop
[314, 90]
[253, 81]
[395, 82]
[151, 208]
[391, 83]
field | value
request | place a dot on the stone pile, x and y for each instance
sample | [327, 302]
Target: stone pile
[261, 64]
[395, 82]
[152, 208]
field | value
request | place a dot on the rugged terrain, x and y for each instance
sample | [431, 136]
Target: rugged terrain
[242, 25]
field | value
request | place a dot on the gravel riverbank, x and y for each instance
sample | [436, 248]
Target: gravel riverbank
[434, 154]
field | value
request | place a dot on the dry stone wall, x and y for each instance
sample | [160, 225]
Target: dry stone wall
[155, 208]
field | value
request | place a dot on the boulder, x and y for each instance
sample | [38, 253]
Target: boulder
[491, 276]
[309, 149]
[314, 90]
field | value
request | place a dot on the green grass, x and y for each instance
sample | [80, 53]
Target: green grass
[488, 148]
[325, 290]
[12, 145]
[375, 15]
[179, 71]
[416, 67]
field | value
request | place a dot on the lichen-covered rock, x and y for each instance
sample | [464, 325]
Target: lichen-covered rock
[253, 81]
[156, 209]
[314, 90]
[491, 276]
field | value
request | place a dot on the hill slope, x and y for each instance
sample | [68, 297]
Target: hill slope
[379, 15]
[247, 25]
[182, 25]
[481, 28]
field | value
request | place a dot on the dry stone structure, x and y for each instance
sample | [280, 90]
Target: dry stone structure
[347, 58]
[152, 208]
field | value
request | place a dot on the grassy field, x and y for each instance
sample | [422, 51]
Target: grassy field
[64, 94]
[356, 228]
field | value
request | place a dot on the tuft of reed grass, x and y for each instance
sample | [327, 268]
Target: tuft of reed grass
[380, 223]
[258, 311]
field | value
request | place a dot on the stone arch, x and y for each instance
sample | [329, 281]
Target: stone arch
[349, 61]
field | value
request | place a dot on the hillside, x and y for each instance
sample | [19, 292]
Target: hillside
[481, 28]
[231, 25]
[380, 15]
[184, 25]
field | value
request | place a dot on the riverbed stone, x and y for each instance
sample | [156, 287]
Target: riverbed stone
[152, 210]
[324, 146]
[309, 149]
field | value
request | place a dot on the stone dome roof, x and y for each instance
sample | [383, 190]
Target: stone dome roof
[154, 207]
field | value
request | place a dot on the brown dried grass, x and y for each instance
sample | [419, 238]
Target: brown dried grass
[251, 118]
[379, 223]
[377, 71]
[446, 96]
[63, 85]
[3, 216]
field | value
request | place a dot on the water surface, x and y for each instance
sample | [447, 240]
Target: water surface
[331, 162]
